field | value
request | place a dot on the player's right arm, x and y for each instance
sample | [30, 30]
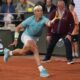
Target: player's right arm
[16, 35]
[21, 26]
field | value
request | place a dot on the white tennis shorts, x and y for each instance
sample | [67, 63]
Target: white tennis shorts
[25, 38]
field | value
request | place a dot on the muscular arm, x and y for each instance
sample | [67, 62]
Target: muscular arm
[16, 35]
[19, 28]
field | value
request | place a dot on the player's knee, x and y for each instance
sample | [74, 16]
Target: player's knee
[29, 42]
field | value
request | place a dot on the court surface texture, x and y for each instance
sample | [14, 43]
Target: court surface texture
[25, 68]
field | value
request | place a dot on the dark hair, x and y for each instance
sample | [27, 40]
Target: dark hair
[10, 3]
[73, 4]
[60, 0]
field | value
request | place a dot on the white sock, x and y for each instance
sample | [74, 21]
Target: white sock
[10, 53]
[40, 67]
[76, 54]
[73, 54]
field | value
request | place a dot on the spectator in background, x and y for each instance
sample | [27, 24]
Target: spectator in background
[24, 6]
[75, 31]
[21, 6]
[49, 6]
[8, 7]
[62, 27]
[42, 3]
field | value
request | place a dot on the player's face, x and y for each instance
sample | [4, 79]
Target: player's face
[38, 12]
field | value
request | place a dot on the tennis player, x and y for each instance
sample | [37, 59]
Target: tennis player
[33, 28]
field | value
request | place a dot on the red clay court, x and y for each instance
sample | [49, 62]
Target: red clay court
[25, 68]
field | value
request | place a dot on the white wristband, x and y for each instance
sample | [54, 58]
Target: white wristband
[16, 35]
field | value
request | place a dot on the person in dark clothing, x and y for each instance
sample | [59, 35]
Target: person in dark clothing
[62, 27]
[49, 6]
[42, 3]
